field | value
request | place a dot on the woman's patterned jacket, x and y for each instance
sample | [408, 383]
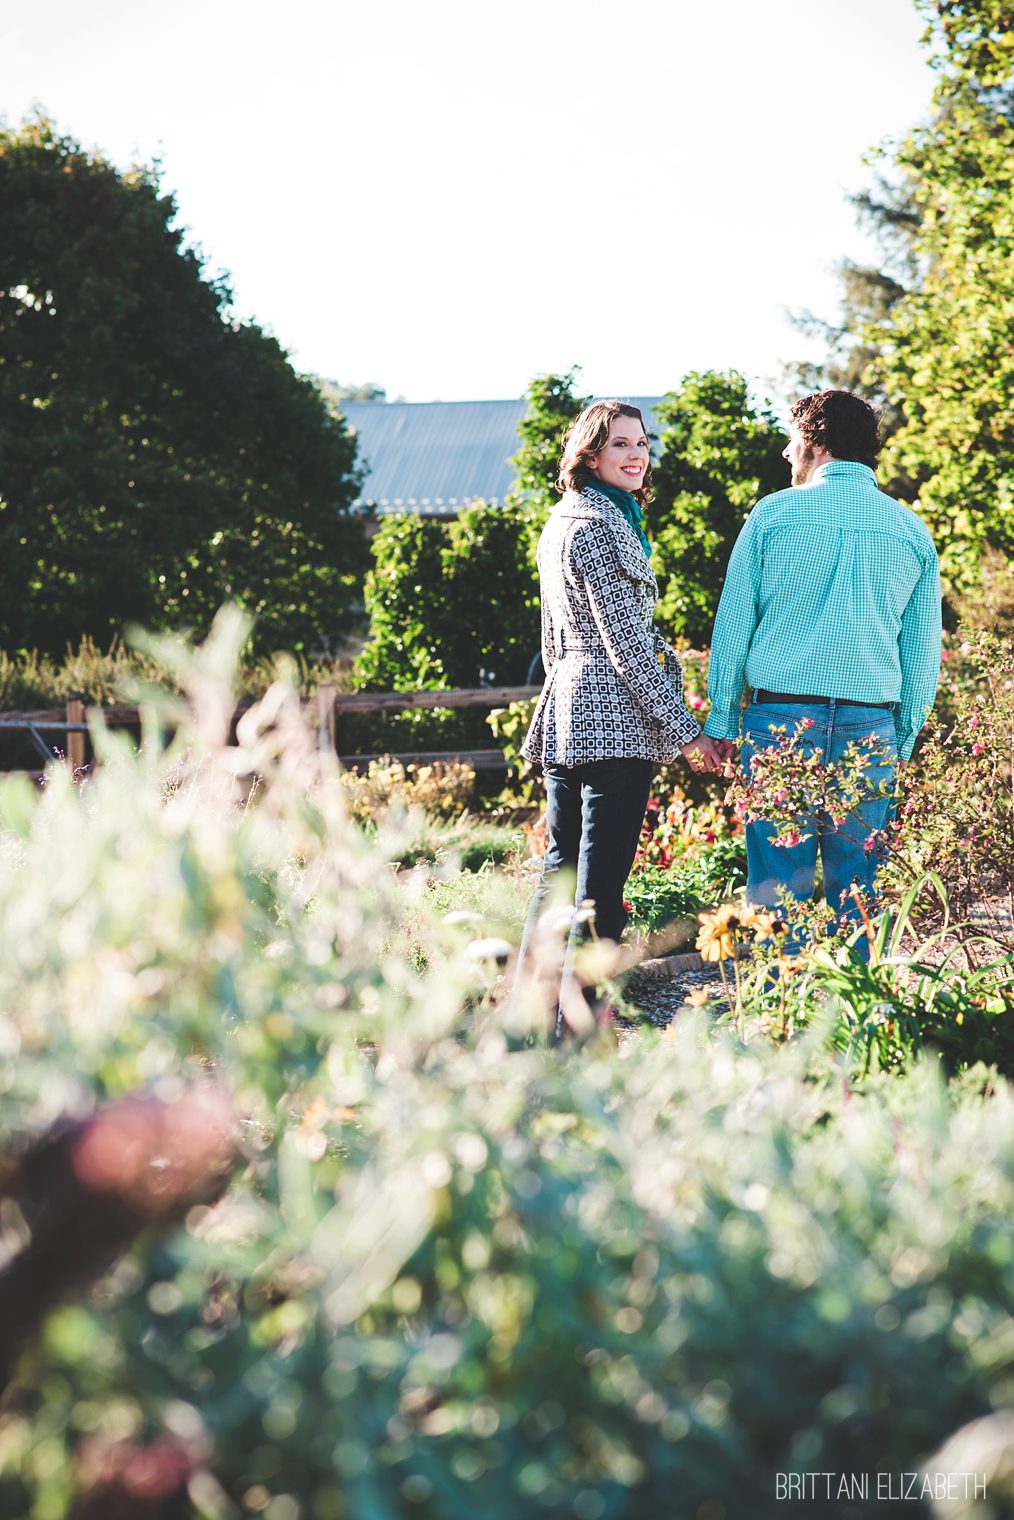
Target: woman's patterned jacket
[613, 686]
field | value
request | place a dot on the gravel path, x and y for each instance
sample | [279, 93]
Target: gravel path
[658, 989]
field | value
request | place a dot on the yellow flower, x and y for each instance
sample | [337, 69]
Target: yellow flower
[719, 931]
[767, 925]
[697, 998]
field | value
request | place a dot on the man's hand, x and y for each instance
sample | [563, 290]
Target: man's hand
[729, 750]
[703, 754]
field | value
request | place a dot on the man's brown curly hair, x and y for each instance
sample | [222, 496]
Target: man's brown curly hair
[841, 422]
[585, 442]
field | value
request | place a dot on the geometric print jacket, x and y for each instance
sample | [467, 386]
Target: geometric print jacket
[613, 687]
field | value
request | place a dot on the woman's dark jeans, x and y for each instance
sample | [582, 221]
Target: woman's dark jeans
[594, 814]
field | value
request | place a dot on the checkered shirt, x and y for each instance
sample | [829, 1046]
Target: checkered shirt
[613, 687]
[833, 590]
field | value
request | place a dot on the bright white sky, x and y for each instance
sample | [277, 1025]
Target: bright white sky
[450, 196]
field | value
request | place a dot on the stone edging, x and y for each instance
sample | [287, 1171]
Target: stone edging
[667, 966]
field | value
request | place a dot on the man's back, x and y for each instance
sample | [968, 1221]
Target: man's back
[832, 590]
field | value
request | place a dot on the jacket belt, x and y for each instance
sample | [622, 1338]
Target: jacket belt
[780, 697]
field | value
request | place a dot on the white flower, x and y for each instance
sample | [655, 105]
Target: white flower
[489, 950]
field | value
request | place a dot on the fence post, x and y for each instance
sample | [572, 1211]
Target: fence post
[75, 741]
[326, 725]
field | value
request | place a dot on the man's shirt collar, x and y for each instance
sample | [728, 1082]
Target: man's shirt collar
[838, 467]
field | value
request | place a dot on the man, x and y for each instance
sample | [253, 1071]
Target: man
[830, 613]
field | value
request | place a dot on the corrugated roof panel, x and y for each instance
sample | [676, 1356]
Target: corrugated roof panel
[436, 456]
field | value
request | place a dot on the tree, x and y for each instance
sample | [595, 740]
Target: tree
[869, 292]
[368, 390]
[942, 353]
[156, 456]
[552, 409]
[719, 453]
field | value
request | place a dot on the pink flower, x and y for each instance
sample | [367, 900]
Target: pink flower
[781, 795]
[695, 701]
[977, 749]
[973, 721]
[792, 838]
[870, 842]
[806, 723]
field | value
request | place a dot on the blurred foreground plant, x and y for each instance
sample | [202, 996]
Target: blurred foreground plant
[454, 1273]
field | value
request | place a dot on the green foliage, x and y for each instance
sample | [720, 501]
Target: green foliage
[956, 806]
[455, 1274]
[659, 894]
[943, 351]
[510, 725]
[552, 409]
[868, 294]
[158, 456]
[719, 453]
[114, 674]
[469, 842]
[452, 604]
[914, 991]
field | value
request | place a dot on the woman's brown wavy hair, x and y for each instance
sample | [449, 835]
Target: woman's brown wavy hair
[585, 442]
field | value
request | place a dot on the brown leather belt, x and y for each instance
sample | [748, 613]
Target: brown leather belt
[780, 697]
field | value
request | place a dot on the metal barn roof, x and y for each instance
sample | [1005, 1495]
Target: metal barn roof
[434, 457]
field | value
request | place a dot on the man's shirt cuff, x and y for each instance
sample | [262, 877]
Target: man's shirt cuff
[723, 722]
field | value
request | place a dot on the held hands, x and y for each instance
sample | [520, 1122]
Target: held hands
[707, 754]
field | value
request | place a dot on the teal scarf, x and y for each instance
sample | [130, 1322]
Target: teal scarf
[628, 506]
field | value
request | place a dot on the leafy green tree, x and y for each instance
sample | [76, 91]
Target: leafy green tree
[452, 603]
[719, 453]
[943, 352]
[868, 294]
[552, 408]
[367, 390]
[156, 455]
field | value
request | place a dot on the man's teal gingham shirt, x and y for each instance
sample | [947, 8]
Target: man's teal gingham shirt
[833, 590]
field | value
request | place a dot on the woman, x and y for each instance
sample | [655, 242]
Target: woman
[611, 709]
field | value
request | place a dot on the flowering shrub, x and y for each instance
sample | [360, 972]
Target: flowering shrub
[680, 829]
[906, 996]
[441, 790]
[788, 786]
[956, 805]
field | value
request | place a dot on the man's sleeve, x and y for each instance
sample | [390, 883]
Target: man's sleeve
[919, 652]
[734, 629]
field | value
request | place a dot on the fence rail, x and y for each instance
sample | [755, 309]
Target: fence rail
[324, 709]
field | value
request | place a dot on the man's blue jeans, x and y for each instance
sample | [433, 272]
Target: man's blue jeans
[594, 814]
[774, 868]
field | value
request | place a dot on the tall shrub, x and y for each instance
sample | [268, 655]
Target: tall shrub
[719, 452]
[552, 408]
[452, 603]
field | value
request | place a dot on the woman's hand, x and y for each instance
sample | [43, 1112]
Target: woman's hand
[704, 754]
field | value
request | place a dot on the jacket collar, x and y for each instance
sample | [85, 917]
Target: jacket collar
[591, 506]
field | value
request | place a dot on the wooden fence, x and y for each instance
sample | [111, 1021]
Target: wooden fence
[325, 710]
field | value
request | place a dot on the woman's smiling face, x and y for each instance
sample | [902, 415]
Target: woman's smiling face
[623, 458]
